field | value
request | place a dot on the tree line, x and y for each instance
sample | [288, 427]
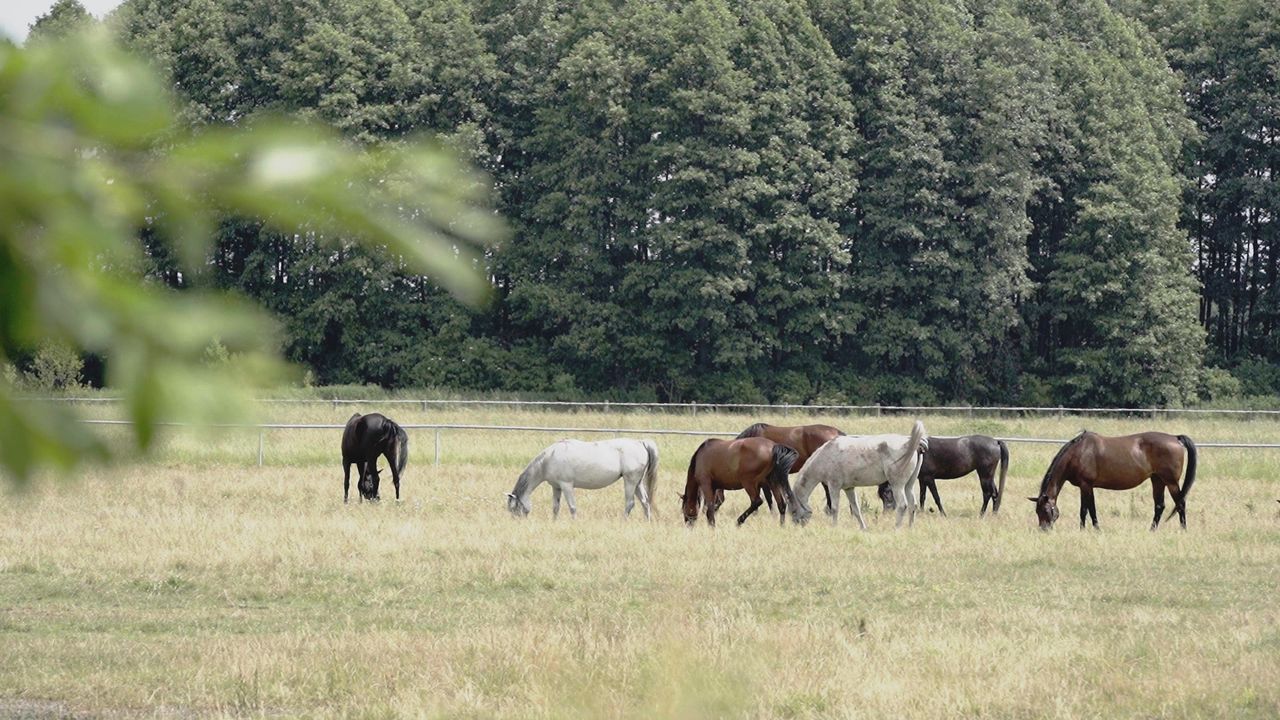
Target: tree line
[1034, 201]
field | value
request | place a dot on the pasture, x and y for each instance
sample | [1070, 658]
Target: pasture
[198, 584]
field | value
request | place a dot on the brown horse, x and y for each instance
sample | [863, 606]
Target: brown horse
[950, 458]
[749, 464]
[1090, 460]
[804, 439]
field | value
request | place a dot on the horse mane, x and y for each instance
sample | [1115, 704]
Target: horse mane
[756, 430]
[522, 482]
[1044, 484]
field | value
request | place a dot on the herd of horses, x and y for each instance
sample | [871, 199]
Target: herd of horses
[761, 459]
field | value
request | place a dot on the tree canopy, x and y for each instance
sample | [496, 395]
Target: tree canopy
[863, 200]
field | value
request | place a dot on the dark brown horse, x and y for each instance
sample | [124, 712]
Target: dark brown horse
[804, 439]
[751, 464]
[364, 439]
[950, 458]
[1090, 461]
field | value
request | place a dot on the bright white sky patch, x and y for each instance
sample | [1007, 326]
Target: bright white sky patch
[16, 16]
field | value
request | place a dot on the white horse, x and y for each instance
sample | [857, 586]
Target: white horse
[571, 464]
[848, 462]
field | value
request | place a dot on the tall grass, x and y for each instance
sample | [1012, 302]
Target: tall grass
[200, 584]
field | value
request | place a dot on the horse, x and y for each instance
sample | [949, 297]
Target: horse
[804, 439]
[1090, 461]
[364, 439]
[950, 458]
[847, 463]
[571, 464]
[739, 464]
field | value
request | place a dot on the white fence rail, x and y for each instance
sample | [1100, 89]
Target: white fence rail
[263, 428]
[876, 409]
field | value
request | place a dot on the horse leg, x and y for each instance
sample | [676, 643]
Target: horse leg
[555, 502]
[628, 495]
[644, 498]
[932, 486]
[1157, 494]
[900, 499]
[855, 507]
[395, 472]
[912, 507]
[1086, 503]
[753, 491]
[781, 502]
[833, 503]
[1179, 502]
[346, 482]
[360, 468]
[709, 501]
[568, 498]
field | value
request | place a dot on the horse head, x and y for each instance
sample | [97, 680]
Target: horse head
[368, 485]
[516, 507]
[886, 497]
[689, 506]
[1046, 510]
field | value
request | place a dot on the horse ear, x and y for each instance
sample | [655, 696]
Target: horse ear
[511, 495]
[1034, 499]
[681, 496]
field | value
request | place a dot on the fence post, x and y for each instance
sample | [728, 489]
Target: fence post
[424, 406]
[260, 434]
[437, 446]
[693, 408]
[877, 409]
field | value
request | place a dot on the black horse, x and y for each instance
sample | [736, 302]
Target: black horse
[949, 458]
[364, 439]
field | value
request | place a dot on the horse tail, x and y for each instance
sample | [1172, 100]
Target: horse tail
[783, 458]
[651, 475]
[1190, 477]
[916, 444]
[402, 444]
[756, 430]
[1004, 470]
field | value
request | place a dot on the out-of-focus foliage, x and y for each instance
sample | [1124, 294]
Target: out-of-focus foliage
[91, 158]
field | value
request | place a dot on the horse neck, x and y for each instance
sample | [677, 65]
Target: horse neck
[531, 478]
[1051, 486]
[803, 488]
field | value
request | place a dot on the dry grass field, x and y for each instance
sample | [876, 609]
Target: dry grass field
[197, 584]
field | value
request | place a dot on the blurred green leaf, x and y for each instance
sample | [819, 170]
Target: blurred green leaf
[91, 155]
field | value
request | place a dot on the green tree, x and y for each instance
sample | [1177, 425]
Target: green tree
[66, 17]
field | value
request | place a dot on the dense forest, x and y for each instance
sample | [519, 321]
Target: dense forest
[989, 201]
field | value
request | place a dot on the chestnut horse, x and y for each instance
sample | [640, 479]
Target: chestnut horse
[804, 439]
[741, 464]
[1090, 461]
[950, 458]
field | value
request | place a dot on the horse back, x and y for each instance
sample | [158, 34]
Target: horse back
[729, 463]
[1125, 461]
[949, 458]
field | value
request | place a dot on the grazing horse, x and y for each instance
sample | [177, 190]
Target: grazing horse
[804, 439]
[364, 439]
[571, 464]
[741, 464]
[847, 463]
[950, 458]
[1090, 461]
